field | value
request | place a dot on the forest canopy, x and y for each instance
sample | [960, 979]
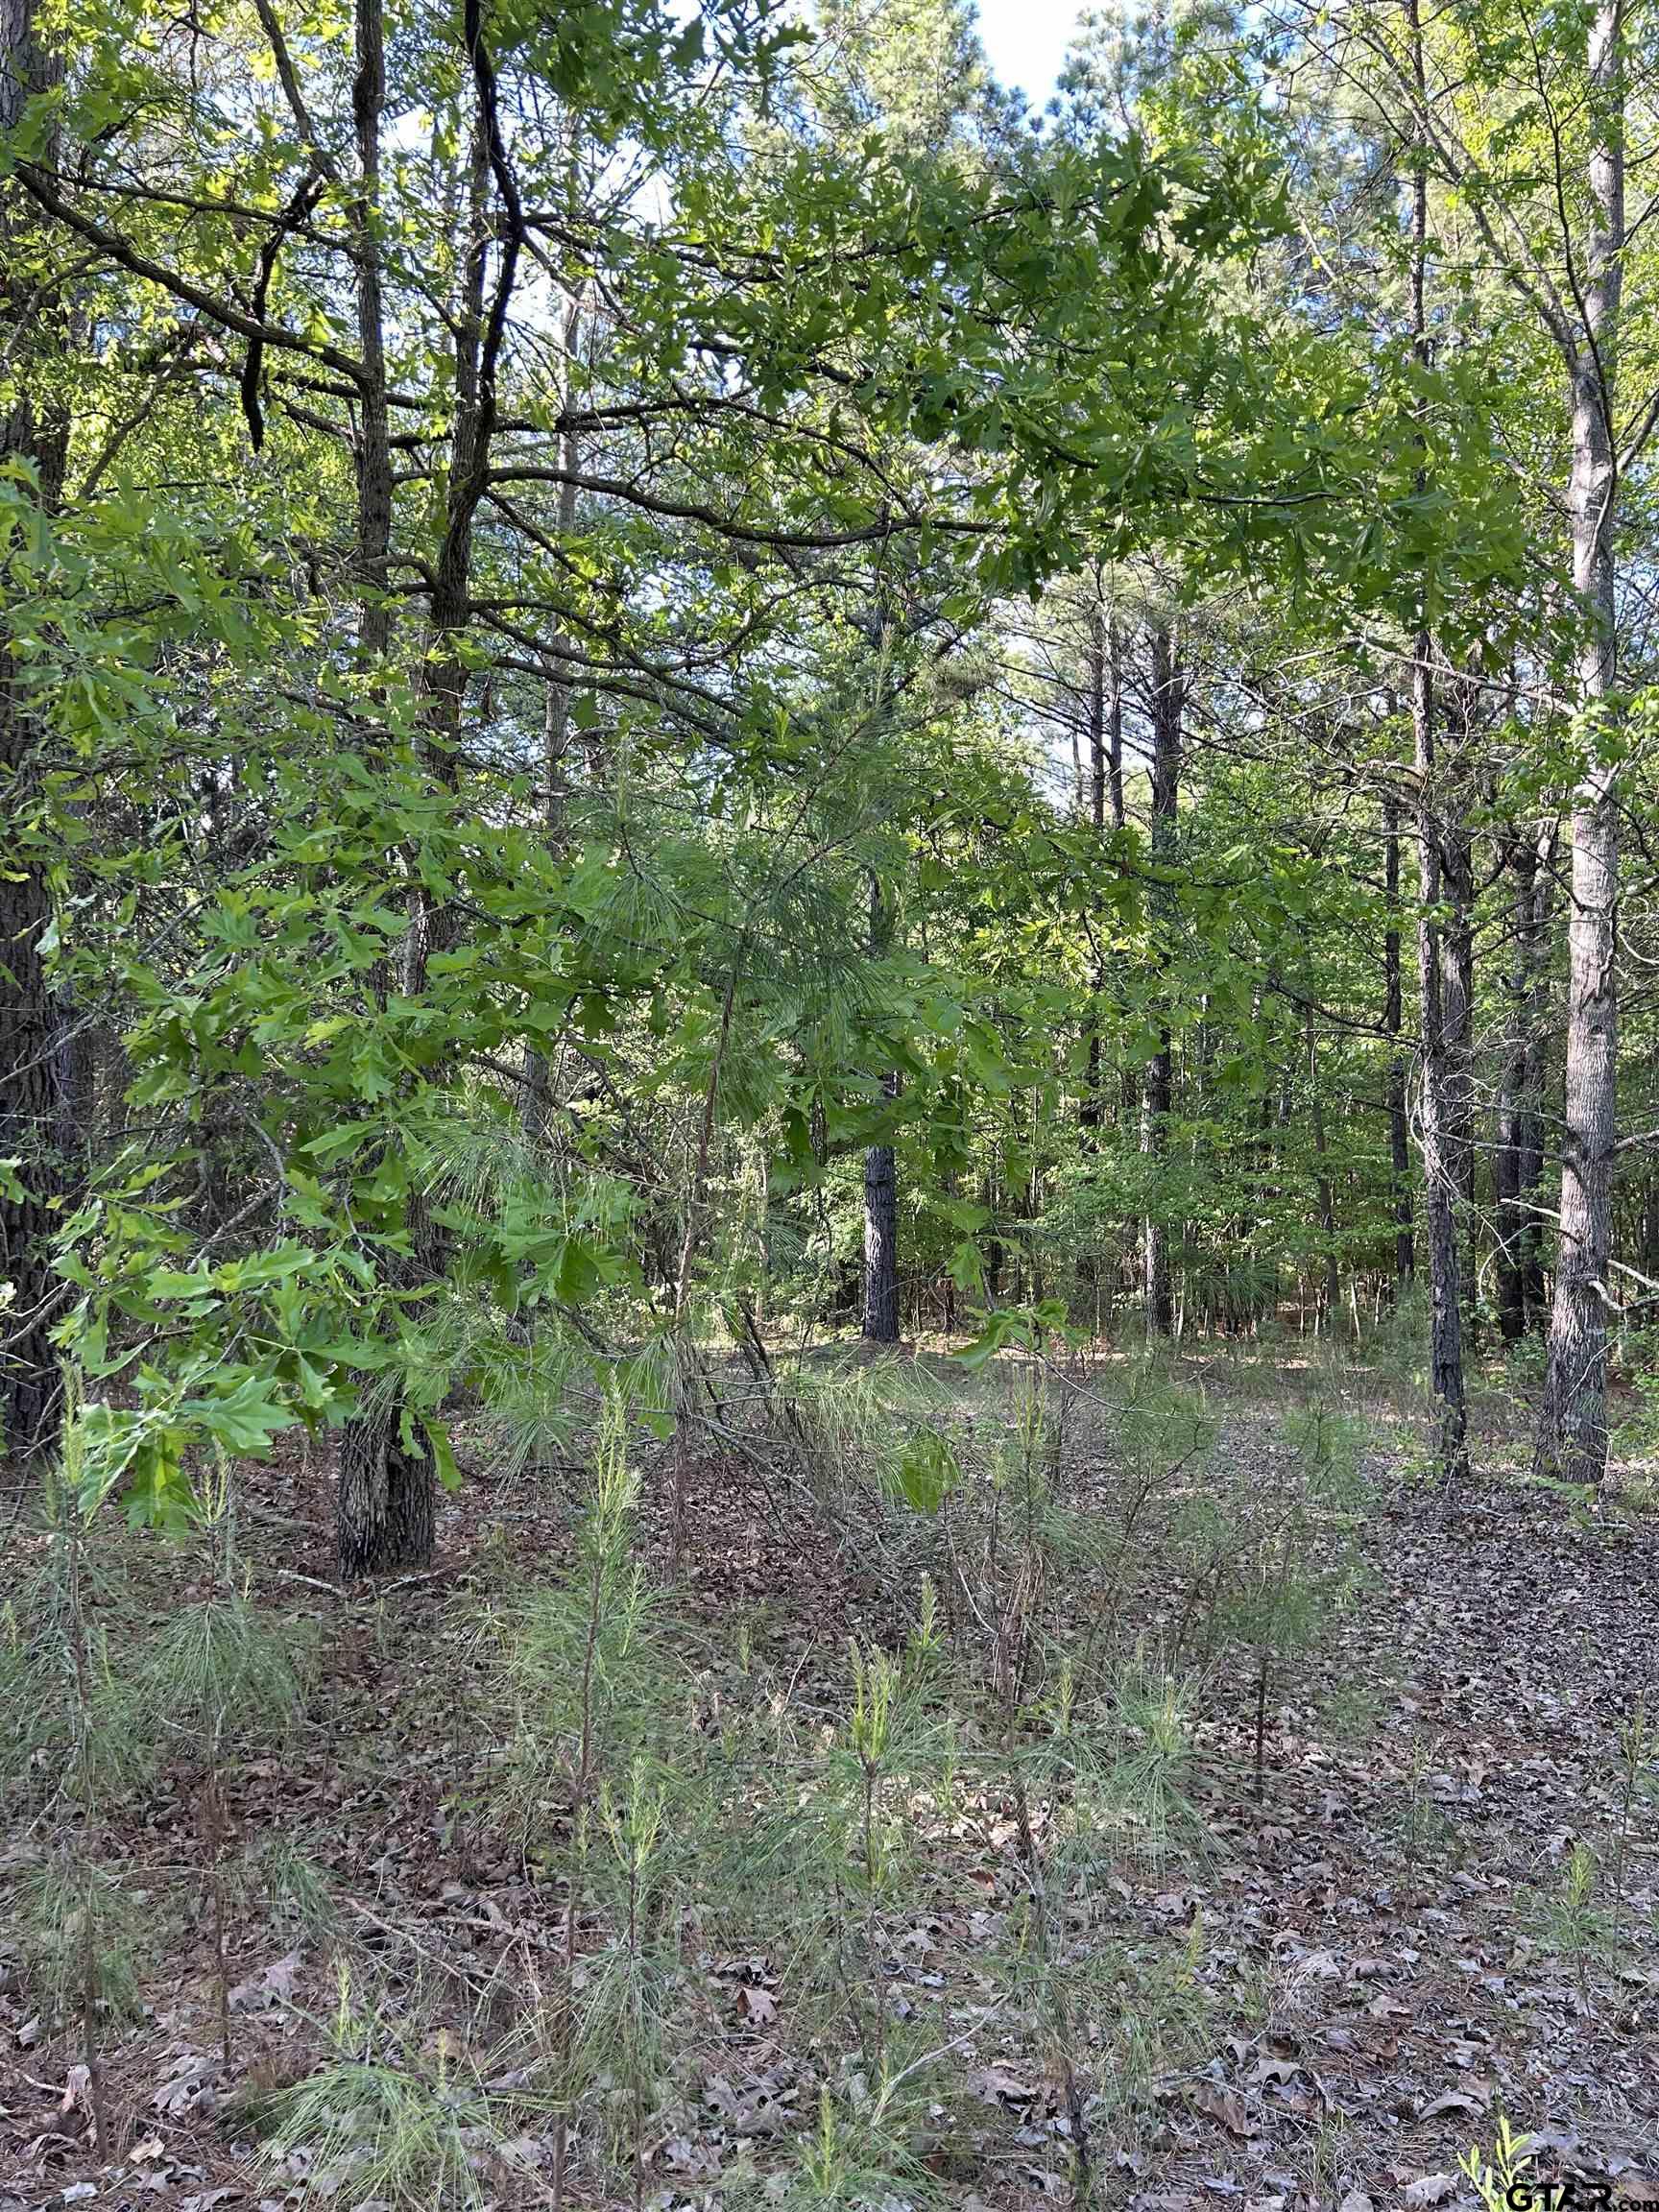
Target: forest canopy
[608, 615]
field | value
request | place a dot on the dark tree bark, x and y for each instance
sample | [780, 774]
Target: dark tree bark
[35, 1057]
[385, 1501]
[386, 1515]
[1399, 1125]
[1158, 1086]
[995, 1251]
[880, 1188]
[386, 1506]
[881, 1242]
[1520, 1150]
[1324, 1191]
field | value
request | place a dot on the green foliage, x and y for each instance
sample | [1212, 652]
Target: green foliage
[926, 1472]
[855, 2159]
[1570, 1918]
[223, 1674]
[580, 1674]
[552, 566]
[407, 2123]
[85, 1936]
[1502, 2177]
[73, 1721]
[297, 1889]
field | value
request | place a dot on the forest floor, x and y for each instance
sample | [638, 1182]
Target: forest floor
[1381, 1951]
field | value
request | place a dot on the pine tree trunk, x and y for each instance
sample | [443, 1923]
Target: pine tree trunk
[1572, 1420]
[1326, 1194]
[1105, 670]
[1511, 1078]
[880, 1191]
[1437, 1113]
[881, 1245]
[1529, 1170]
[35, 1060]
[1157, 1094]
[1399, 1125]
[1105, 708]
[1440, 972]
[1455, 948]
[556, 714]
[1520, 1151]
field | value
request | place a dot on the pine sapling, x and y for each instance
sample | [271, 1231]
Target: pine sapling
[632, 1828]
[222, 1675]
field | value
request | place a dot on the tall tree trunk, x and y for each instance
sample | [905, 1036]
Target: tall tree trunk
[385, 1503]
[882, 1237]
[1455, 946]
[1105, 668]
[1091, 1113]
[1158, 1088]
[1572, 1420]
[1324, 1191]
[1437, 1113]
[387, 1500]
[1399, 1123]
[1520, 1154]
[880, 1186]
[556, 706]
[1115, 723]
[35, 1061]
[1529, 1168]
[1440, 971]
[1105, 706]
[1512, 1081]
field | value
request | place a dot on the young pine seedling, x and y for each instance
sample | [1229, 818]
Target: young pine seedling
[1571, 1921]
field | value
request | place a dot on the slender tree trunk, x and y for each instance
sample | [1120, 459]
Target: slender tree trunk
[1455, 948]
[1437, 1112]
[1115, 723]
[1529, 1169]
[1326, 1195]
[1099, 678]
[1573, 1419]
[996, 1252]
[1158, 1088]
[1104, 784]
[387, 1498]
[1105, 670]
[1445, 1014]
[385, 1509]
[1399, 1125]
[1511, 1078]
[556, 706]
[1519, 1157]
[880, 1188]
[35, 1060]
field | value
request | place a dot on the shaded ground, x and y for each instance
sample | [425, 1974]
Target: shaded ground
[1380, 1961]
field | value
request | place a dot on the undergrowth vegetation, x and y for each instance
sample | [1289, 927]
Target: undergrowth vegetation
[1080, 1622]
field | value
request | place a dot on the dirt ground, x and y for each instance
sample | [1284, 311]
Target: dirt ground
[1374, 1944]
